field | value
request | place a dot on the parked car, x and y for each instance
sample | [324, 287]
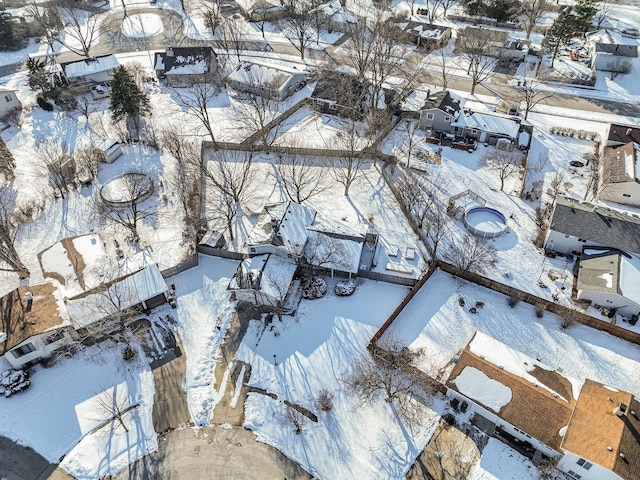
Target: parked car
[101, 91]
[513, 110]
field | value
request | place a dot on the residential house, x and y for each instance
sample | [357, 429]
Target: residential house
[610, 50]
[136, 291]
[512, 397]
[8, 101]
[34, 324]
[532, 408]
[602, 440]
[337, 17]
[91, 70]
[427, 35]
[491, 127]
[185, 65]
[578, 225]
[281, 229]
[265, 10]
[500, 44]
[336, 248]
[618, 135]
[620, 175]
[610, 279]
[267, 80]
[440, 111]
[265, 280]
[344, 95]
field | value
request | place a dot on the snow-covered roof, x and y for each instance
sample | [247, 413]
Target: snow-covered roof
[255, 73]
[630, 278]
[127, 292]
[518, 388]
[198, 67]
[337, 13]
[333, 253]
[91, 66]
[269, 274]
[611, 37]
[488, 123]
[283, 225]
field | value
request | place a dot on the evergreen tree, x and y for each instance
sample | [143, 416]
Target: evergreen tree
[38, 78]
[127, 100]
[7, 33]
[560, 32]
[584, 11]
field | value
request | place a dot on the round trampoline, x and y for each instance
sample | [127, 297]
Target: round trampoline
[485, 222]
[126, 188]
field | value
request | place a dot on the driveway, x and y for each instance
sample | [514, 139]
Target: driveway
[23, 463]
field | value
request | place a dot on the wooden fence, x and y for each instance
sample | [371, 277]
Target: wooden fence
[190, 262]
[539, 302]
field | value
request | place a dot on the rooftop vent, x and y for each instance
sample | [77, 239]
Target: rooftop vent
[620, 410]
[610, 448]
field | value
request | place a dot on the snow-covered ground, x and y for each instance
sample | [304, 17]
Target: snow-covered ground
[444, 328]
[142, 25]
[500, 462]
[315, 351]
[59, 414]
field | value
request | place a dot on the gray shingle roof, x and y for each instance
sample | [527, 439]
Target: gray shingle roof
[596, 224]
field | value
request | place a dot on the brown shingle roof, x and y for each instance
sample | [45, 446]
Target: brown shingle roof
[19, 323]
[532, 409]
[594, 427]
[616, 166]
[623, 134]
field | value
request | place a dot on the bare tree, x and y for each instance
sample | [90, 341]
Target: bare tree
[80, 26]
[443, 62]
[604, 12]
[131, 207]
[529, 95]
[113, 406]
[479, 53]
[186, 180]
[232, 37]
[48, 21]
[346, 169]
[229, 177]
[8, 226]
[532, 12]
[292, 416]
[210, 11]
[297, 25]
[391, 372]
[504, 163]
[7, 162]
[471, 253]
[258, 112]
[196, 99]
[324, 400]
[60, 166]
[300, 176]
[618, 66]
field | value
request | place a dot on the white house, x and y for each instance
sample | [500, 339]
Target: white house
[35, 323]
[264, 280]
[487, 127]
[620, 175]
[281, 229]
[268, 80]
[91, 70]
[609, 50]
[611, 279]
[337, 17]
[577, 225]
[601, 441]
[8, 101]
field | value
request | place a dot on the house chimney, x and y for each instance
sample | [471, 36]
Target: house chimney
[620, 410]
[169, 52]
[29, 299]
[628, 131]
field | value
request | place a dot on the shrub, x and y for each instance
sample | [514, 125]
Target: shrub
[512, 300]
[44, 104]
[324, 401]
[539, 310]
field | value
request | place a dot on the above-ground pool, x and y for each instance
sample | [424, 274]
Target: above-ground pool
[485, 222]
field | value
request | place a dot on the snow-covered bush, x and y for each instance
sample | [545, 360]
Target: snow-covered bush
[345, 288]
[13, 381]
[314, 287]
